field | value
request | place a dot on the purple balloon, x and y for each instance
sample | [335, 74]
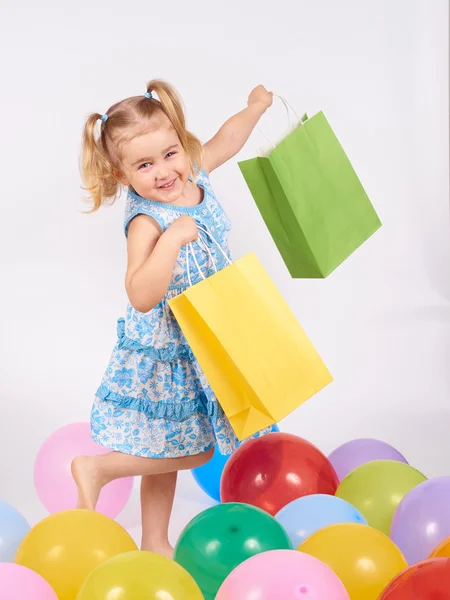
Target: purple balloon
[358, 452]
[422, 519]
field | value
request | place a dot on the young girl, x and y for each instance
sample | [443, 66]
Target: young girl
[154, 409]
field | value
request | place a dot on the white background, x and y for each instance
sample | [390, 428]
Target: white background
[378, 69]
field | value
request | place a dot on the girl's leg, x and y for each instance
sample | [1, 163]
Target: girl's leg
[157, 494]
[91, 473]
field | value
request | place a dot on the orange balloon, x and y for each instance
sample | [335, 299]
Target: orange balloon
[442, 550]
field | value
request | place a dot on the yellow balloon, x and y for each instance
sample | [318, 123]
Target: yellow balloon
[140, 575]
[363, 558]
[66, 546]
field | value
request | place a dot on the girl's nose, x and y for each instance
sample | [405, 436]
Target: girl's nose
[162, 174]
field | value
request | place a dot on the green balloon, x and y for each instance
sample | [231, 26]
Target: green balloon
[219, 539]
[376, 489]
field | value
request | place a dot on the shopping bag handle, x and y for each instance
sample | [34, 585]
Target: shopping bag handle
[201, 242]
[287, 106]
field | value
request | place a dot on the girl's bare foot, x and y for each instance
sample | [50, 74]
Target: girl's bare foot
[87, 478]
[164, 549]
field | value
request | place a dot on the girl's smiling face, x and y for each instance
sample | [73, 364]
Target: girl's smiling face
[154, 162]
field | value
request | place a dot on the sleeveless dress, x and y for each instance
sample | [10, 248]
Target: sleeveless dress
[154, 400]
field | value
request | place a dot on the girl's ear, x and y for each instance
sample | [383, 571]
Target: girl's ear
[120, 177]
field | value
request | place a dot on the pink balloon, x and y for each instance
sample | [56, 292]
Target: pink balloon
[282, 574]
[17, 582]
[53, 478]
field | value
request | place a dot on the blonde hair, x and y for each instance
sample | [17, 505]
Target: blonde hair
[101, 156]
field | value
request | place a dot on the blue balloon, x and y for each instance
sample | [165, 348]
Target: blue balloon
[302, 517]
[13, 528]
[208, 475]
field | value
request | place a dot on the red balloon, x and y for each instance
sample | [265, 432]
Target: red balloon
[271, 471]
[426, 580]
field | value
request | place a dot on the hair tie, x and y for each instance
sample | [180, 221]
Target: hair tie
[104, 118]
[148, 95]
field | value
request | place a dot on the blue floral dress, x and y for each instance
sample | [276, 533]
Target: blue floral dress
[154, 400]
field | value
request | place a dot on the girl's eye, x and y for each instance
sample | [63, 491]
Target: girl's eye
[169, 154]
[143, 165]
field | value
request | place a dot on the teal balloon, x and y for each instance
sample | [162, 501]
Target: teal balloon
[208, 475]
[219, 539]
[13, 528]
[303, 516]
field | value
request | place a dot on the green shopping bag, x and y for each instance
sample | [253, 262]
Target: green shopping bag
[311, 199]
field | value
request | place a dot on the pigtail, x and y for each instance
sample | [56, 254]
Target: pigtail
[96, 169]
[172, 106]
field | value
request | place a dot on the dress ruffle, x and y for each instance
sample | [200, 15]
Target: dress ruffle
[168, 353]
[164, 409]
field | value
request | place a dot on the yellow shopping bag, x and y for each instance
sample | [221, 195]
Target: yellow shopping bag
[254, 353]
